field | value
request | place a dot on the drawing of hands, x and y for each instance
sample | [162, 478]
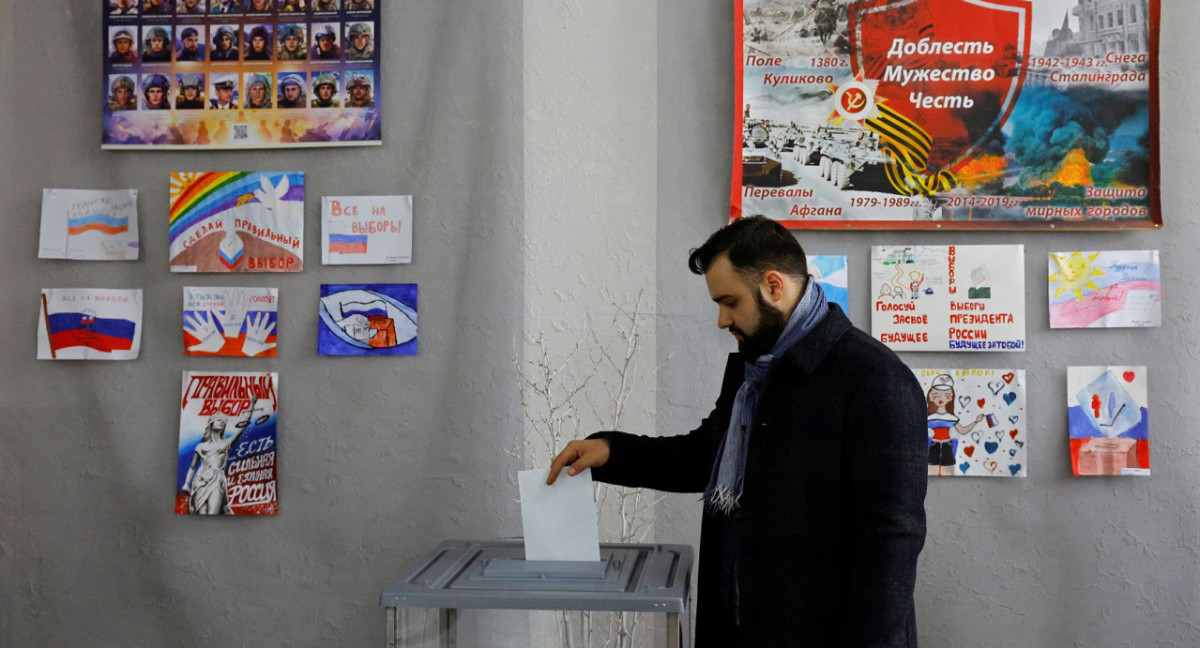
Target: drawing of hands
[204, 329]
[237, 302]
[257, 330]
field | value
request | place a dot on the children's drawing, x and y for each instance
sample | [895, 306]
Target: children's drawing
[1107, 419]
[237, 222]
[1111, 289]
[976, 420]
[230, 321]
[89, 324]
[366, 230]
[368, 319]
[227, 443]
[829, 270]
[87, 225]
[949, 298]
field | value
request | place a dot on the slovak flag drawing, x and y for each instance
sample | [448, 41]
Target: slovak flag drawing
[89, 324]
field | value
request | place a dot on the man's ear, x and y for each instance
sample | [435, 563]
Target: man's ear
[774, 286]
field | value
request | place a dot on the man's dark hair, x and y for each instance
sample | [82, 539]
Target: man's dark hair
[754, 244]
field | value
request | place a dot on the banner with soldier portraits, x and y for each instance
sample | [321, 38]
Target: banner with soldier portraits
[240, 74]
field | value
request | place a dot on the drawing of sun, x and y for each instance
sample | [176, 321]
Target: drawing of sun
[1075, 272]
[180, 182]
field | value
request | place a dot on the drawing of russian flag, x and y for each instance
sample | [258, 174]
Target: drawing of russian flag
[97, 222]
[369, 309]
[85, 329]
[348, 243]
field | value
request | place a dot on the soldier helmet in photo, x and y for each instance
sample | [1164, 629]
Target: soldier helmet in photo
[292, 80]
[190, 81]
[123, 34]
[156, 32]
[360, 29]
[325, 78]
[327, 32]
[156, 81]
[359, 80]
[294, 31]
[260, 32]
[188, 32]
[121, 82]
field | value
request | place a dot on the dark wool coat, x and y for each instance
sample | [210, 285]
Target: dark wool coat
[824, 551]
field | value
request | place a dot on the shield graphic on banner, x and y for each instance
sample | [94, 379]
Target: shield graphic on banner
[948, 73]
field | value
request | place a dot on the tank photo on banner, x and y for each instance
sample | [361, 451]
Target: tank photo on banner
[947, 114]
[240, 74]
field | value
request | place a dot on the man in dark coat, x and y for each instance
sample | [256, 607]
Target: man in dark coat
[812, 464]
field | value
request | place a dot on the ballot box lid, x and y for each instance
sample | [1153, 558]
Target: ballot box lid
[467, 574]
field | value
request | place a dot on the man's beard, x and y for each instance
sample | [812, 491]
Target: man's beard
[771, 323]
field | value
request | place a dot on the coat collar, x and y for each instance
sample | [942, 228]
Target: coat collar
[808, 352]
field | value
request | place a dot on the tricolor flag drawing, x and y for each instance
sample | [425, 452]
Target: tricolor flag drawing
[89, 225]
[348, 243]
[99, 223]
[84, 329]
[89, 324]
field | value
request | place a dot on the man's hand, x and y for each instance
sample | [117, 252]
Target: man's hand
[586, 453]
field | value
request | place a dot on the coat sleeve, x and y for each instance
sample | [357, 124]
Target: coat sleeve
[886, 478]
[681, 463]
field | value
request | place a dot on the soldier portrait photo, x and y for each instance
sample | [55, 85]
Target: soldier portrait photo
[190, 46]
[191, 92]
[191, 7]
[325, 87]
[224, 7]
[155, 45]
[123, 7]
[154, 92]
[291, 91]
[122, 50]
[358, 91]
[325, 45]
[224, 92]
[157, 8]
[258, 43]
[122, 95]
[291, 45]
[359, 41]
[258, 6]
[258, 91]
[224, 44]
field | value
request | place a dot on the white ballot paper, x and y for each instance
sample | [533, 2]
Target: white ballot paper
[559, 520]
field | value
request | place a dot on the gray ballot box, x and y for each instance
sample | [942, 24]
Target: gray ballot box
[465, 574]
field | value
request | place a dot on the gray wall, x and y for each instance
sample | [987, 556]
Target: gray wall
[1051, 560]
[380, 458]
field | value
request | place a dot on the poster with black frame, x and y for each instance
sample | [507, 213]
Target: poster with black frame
[240, 74]
[947, 114]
